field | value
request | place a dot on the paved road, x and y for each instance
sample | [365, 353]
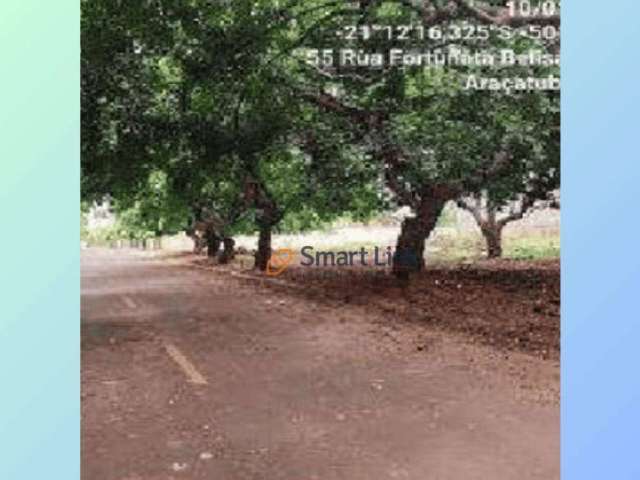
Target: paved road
[190, 375]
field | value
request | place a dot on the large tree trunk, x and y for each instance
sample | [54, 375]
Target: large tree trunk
[228, 253]
[213, 244]
[263, 254]
[409, 254]
[267, 215]
[492, 234]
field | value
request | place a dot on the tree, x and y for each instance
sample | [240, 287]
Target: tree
[155, 98]
[258, 125]
[492, 217]
[434, 140]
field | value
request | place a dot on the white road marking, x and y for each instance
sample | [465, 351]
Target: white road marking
[187, 367]
[129, 302]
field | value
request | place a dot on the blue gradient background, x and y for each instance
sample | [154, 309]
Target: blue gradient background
[39, 232]
[600, 231]
[39, 203]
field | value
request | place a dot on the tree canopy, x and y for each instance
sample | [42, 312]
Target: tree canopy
[245, 108]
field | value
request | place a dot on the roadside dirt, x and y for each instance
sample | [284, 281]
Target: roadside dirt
[511, 305]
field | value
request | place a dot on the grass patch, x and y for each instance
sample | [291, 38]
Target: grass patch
[456, 246]
[532, 247]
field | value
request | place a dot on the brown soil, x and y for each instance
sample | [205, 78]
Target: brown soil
[510, 305]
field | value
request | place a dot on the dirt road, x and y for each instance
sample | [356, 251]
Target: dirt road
[190, 374]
